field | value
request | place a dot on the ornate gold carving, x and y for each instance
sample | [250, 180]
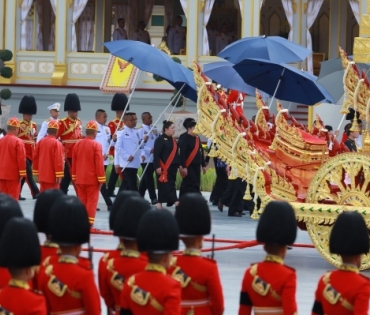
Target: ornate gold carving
[361, 50]
[163, 46]
[365, 25]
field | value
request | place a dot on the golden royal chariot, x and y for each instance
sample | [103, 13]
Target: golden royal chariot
[289, 162]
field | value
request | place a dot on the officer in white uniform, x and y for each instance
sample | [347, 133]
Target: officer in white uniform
[222, 40]
[176, 37]
[212, 36]
[103, 137]
[147, 181]
[141, 34]
[54, 114]
[128, 141]
[120, 32]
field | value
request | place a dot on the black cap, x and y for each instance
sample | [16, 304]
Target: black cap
[28, 105]
[158, 232]
[121, 197]
[187, 121]
[351, 114]
[349, 235]
[43, 206]
[277, 224]
[128, 217]
[20, 245]
[9, 208]
[193, 216]
[119, 102]
[72, 102]
[68, 222]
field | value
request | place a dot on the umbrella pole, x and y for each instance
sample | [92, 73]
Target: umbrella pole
[277, 87]
[124, 112]
[341, 122]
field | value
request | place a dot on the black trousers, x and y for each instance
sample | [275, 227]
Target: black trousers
[104, 192]
[29, 178]
[233, 196]
[130, 178]
[191, 182]
[66, 181]
[112, 181]
[167, 191]
[147, 181]
[221, 183]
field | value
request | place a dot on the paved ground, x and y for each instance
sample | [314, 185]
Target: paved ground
[232, 263]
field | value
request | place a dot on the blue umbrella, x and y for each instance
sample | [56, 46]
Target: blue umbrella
[282, 81]
[147, 58]
[223, 73]
[274, 48]
[187, 87]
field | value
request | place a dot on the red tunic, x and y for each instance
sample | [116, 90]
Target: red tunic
[88, 163]
[48, 160]
[151, 292]
[4, 277]
[342, 292]
[18, 299]
[113, 124]
[28, 133]
[200, 282]
[70, 132]
[68, 287]
[119, 269]
[13, 158]
[269, 287]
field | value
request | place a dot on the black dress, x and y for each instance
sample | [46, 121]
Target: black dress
[351, 145]
[163, 147]
[191, 182]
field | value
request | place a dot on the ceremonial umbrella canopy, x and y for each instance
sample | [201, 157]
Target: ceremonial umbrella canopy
[273, 48]
[282, 81]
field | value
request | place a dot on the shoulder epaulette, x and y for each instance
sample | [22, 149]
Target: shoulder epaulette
[209, 259]
[288, 267]
[65, 118]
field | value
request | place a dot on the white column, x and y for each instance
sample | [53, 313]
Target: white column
[334, 28]
[192, 30]
[99, 27]
[2, 23]
[10, 35]
[251, 18]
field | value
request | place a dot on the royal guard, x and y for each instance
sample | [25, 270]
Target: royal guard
[9, 208]
[345, 291]
[48, 159]
[88, 172]
[119, 104]
[69, 286]
[153, 291]
[54, 114]
[13, 160]
[105, 291]
[129, 262]
[28, 133]
[198, 276]
[269, 287]
[20, 253]
[70, 132]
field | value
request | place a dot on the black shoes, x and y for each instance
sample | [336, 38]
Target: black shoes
[154, 202]
[235, 214]
[220, 206]
[21, 198]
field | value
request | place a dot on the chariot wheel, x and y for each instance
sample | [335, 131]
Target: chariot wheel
[342, 180]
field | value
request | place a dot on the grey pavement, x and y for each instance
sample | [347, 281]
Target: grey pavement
[308, 262]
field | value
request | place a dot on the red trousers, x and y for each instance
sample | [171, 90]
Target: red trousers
[46, 186]
[89, 196]
[10, 187]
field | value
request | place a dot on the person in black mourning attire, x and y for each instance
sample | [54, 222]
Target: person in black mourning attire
[352, 131]
[185, 124]
[345, 290]
[233, 197]
[20, 253]
[191, 160]
[166, 163]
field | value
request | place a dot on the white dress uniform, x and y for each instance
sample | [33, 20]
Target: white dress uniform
[212, 36]
[119, 33]
[222, 41]
[149, 145]
[44, 126]
[141, 36]
[127, 142]
[176, 39]
[103, 137]
[359, 141]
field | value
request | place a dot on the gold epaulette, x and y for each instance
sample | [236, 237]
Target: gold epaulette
[116, 280]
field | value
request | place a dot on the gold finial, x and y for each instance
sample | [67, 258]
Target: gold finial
[355, 126]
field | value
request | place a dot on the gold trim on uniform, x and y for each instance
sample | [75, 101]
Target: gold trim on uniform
[192, 252]
[19, 284]
[275, 259]
[156, 267]
[130, 253]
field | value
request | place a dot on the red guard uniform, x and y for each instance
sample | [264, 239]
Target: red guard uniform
[88, 172]
[69, 288]
[113, 124]
[342, 292]
[269, 288]
[13, 164]
[18, 299]
[120, 268]
[48, 162]
[69, 133]
[151, 292]
[200, 282]
[27, 133]
[4, 277]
